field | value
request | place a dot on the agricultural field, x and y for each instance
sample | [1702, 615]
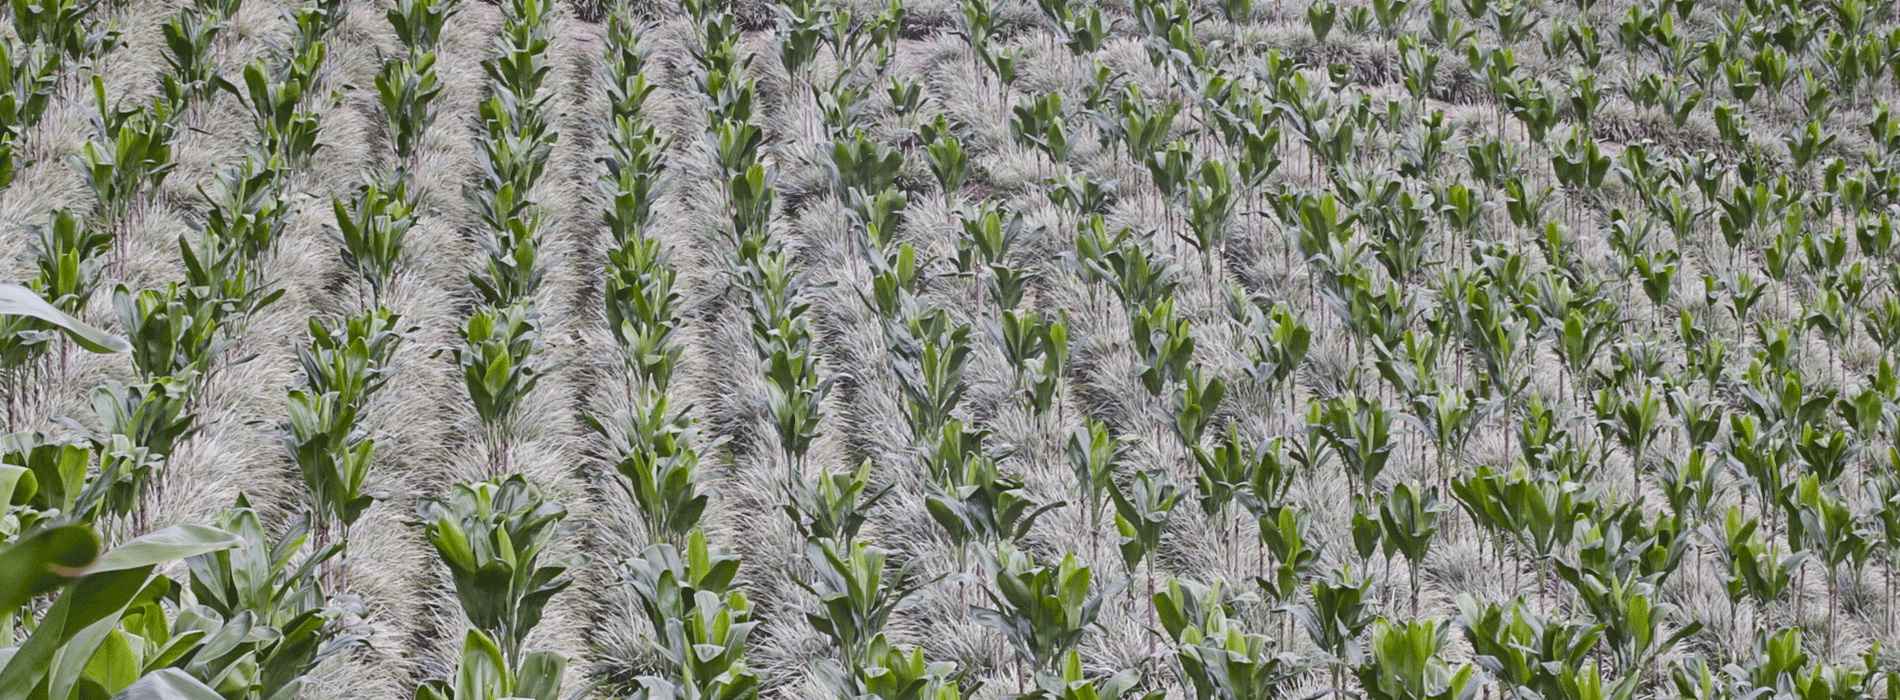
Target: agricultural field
[1395, 350]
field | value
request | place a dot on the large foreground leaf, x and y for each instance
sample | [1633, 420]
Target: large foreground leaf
[16, 300]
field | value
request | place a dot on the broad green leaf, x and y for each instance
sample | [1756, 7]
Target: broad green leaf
[16, 300]
[43, 562]
[168, 684]
[175, 542]
[540, 676]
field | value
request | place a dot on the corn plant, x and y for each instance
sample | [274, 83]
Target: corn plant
[1035, 347]
[62, 25]
[949, 162]
[1778, 666]
[1070, 683]
[483, 671]
[668, 579]
[795, 390]
[1408, 518]
[1285, 532]
[98, 592]
[514, 269]
[1164, 344]
[46, 481]
[1043, 610]
[418, 23]
[151, 416]
[1633, 622]
[223, 283]
[982, 505]
[835, 505]
[352, 356]
[1195, 405]
[1141, 516]
[1094, 456]
[935, 355]
[1406, 665]
[1359, 431]
[275, 98]
[706, 649]
[334, 456]
[29, 74]
[262, 582]
[634, 178]
[1214, 654]
[1224, 472]
[246, 209]
[133, 155]
[1538, 513]
[1335, 617]
[67, 255]
[657, 455]
[497, 361]
[891, 674]
[1532, 655]
[643, 309]
[491, 535]
[1278, 342]
[855, 596]
[405, 91]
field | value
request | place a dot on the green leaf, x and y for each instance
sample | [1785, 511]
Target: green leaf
[16, 300]
[175, 542]
[540, 676]
[43, 562]
[168, 684]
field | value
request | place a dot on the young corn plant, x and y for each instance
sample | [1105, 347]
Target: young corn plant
[1337, 614]
[835, 505]
[491, 535]
[643, 311]
[515, 268]
[247, 209]
[982, 505]
[1072, 684]
[1359, 431]
[418, 23]
[856, 596]
[47, 481]
[1532, 655]
[406, 90]
[1286, 533]
[1043, 610]
[1406, 665]
[1141, 516]
[275, 98]
[1094, 456]
[483, 671]
[334, 456]
[1214, 655]
[891, 674]
[658, 457]
[498, 366]
[706, 650]
[352, 356]
[1195, 405]
[67, 254]
[264, 588]
[373, 225]
[1408, 518]
[667, 579]
[933, 355]
[132, 156]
